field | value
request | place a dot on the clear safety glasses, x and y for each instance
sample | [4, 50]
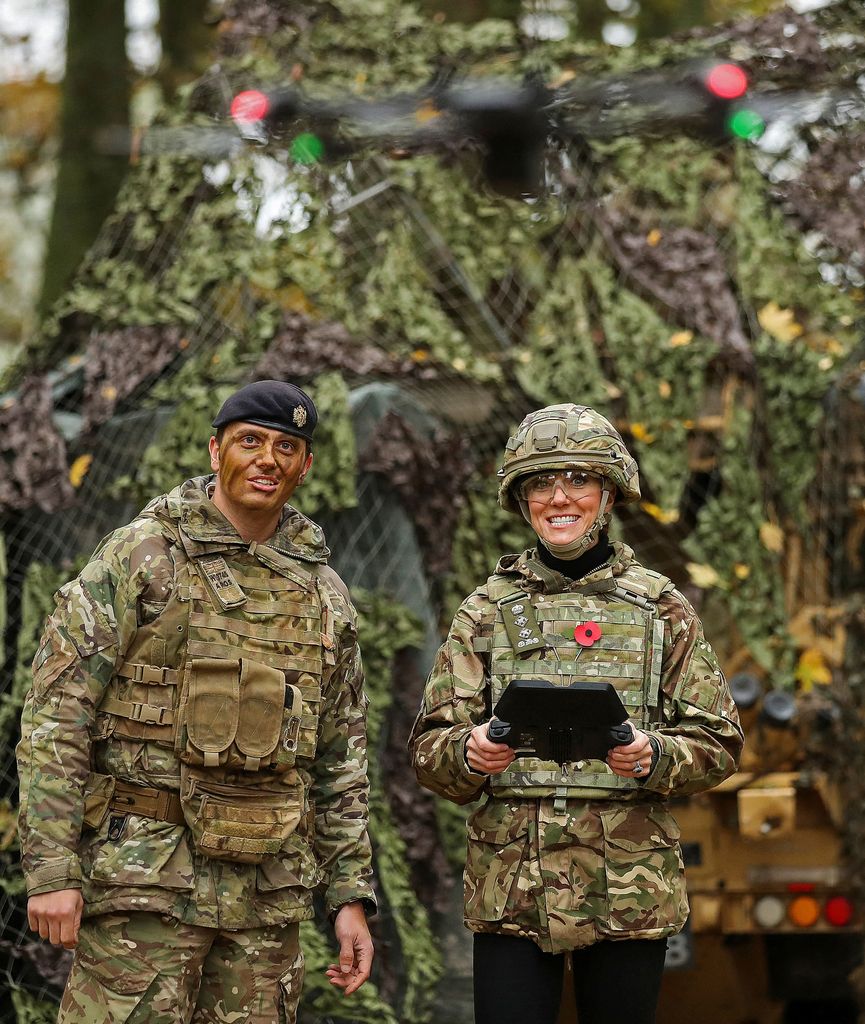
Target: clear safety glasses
[541, 486]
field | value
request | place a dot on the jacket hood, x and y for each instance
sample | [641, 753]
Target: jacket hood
[191, 509]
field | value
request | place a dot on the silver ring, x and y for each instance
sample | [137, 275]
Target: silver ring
[638, 768]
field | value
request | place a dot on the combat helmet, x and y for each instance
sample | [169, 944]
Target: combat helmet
[567, 436]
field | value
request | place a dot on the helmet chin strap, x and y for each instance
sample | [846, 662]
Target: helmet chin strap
[590, 538]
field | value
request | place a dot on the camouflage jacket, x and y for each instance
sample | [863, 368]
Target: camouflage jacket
[142, 862]
[569, 873]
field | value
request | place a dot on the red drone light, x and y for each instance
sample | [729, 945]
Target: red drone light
[727, 81]
[250, 105]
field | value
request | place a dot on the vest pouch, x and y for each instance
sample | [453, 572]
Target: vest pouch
[263, 695]
[239, 823]
[235, 714]
[98, 791]
[212, 710]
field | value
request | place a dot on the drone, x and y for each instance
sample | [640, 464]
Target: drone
[510, 123]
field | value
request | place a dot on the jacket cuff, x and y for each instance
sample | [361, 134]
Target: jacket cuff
[660, 759]
[51, 877]
[472, 775]
[338, 895]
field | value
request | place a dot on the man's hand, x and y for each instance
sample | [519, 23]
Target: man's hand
[56, 916]
[355, 949]
[485, 756]
[622, 760]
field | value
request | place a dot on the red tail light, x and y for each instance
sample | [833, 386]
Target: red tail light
[838, 911]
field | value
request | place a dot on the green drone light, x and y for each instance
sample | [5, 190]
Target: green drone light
[307, 148]
[746, 124]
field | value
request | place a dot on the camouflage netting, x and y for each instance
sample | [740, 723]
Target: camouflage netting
[708, 299]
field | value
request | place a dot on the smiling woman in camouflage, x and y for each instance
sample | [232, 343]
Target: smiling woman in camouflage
[580, 859]
[193, 751]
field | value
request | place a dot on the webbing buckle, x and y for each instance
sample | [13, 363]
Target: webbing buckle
[150, 715]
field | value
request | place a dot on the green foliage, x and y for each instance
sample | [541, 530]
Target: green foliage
[384, 629]
[675, 178]
[727, 536]
[559, 360]
[331, 481]
[773, 264]
[484, 533]
[661, 383]
[793, 383]
[321, 1001]
[30, 1009]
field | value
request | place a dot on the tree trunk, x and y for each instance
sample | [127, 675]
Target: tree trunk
[96, 93]
[186, 42]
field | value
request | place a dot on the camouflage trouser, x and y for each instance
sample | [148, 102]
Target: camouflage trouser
[145, 968]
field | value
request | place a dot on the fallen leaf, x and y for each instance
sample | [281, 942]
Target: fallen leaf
[640, 433]
[703, 576]
[780, 323]
[681, 338]
[664, 389]
[772, 537]
[812, 670]
[78, 469]
[662, 515]
[654, 236]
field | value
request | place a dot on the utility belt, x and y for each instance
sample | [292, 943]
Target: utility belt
[226, 822]
[160, 804]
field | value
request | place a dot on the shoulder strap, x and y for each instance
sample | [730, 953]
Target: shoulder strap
[641, 586]
[326, 573]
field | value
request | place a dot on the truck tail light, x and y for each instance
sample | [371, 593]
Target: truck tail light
[769, 911]
[838, 911]
[803, 911]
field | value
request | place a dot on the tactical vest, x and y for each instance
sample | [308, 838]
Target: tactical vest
[229, 675]
[533, 638]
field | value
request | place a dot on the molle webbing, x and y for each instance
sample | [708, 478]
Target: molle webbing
[627, 654]
[251, 604]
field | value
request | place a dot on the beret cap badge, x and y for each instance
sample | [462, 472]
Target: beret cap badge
[277, 404]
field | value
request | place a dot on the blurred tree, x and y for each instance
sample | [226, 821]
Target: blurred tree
[187, 40]
[96, 93]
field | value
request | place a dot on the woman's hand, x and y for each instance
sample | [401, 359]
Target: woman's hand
[485, 756]
[624, 760]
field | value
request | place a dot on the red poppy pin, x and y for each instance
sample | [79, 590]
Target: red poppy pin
[587, 633]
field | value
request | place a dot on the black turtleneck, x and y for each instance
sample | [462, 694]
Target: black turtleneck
[577, 568]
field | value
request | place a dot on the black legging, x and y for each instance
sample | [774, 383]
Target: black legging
[517, 983]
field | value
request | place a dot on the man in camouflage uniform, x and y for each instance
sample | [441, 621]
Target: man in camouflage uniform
[578, 857]
[193, 752]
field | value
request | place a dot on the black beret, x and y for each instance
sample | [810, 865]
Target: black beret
[271, 403]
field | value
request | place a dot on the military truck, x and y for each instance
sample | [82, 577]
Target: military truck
[774, 931]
